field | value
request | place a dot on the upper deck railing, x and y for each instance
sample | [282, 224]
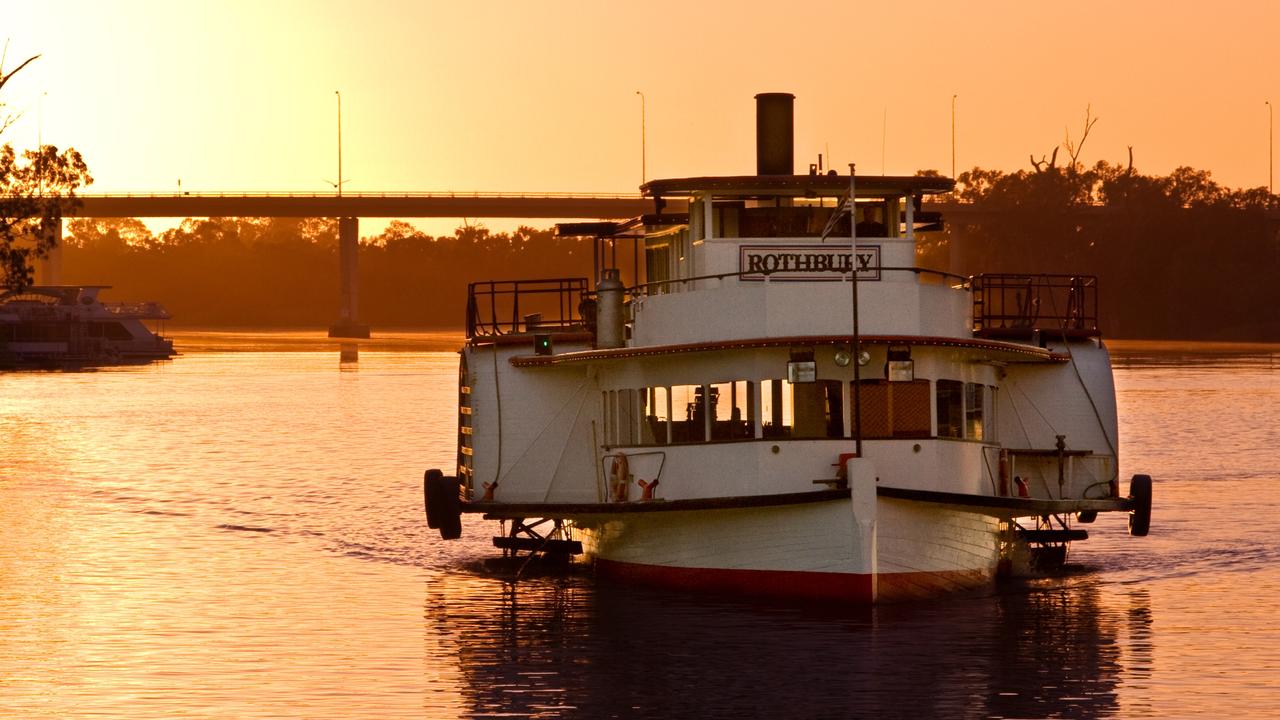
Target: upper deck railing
[1013, 306]
[503, 307]
[138, 310]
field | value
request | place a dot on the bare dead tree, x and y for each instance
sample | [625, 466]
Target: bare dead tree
[5, 119]
[1074, 149]
[1042, 164]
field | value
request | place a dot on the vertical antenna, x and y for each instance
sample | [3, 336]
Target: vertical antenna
[644, 171]
[884, 136]
[857, 342]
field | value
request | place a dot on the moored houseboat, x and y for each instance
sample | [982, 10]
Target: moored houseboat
[61, 326]
[778, 401]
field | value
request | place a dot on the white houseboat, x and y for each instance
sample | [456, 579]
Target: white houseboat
[781, 403]
[56, 326]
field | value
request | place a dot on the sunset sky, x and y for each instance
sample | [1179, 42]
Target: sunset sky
[534, 96]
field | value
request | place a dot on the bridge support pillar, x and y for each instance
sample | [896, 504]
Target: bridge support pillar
[348, 324]
[49, 269]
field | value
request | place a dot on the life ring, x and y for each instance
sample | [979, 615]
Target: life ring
[620, 477]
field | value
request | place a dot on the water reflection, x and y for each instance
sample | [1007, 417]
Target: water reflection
[576, 647]
[138, 577]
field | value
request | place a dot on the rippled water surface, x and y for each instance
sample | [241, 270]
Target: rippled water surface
[238, 533]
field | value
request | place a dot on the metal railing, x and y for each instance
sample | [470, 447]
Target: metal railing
[1013, 304]
[503, 307]
[647, 288]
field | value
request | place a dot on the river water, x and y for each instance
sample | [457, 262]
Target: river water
[238, 533]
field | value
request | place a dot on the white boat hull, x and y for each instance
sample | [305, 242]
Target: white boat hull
[811, 551]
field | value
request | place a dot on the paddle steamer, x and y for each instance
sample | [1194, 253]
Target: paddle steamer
[761, 392]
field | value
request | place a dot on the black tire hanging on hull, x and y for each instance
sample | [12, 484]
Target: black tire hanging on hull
[1140, 513]
[443, 503]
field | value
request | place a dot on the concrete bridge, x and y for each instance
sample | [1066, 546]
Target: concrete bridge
[347, 208]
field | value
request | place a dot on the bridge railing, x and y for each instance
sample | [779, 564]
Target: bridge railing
[356, 196]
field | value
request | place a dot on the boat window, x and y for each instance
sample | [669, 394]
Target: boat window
[724, 217]
[802, 410]
[974, 410]
[608, 417]
[657, 261]
[950, 409]
[654, 408]
[989, 420]
[775, 408]
[689, 417]
[115, 331]
[894, 409]
[628, 418]
[733, 408]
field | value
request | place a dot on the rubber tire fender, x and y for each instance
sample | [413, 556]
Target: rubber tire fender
[1140, 511]
[431, 502]
[443, 503]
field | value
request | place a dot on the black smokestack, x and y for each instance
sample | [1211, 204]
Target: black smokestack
[775, 153]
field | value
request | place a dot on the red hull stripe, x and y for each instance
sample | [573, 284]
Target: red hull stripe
[796, 585]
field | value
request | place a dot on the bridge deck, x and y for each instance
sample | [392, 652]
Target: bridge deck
[366, 205]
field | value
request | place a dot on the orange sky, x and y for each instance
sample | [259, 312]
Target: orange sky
[528, 96]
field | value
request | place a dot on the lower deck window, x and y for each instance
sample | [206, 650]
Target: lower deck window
[802, 410]
[950, 409]
[965, 410]
[689, 414]
[776, 408]
[974, 410]
[732, 410]
[655, 406]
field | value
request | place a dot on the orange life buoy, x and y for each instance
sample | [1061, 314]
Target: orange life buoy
[620, 474]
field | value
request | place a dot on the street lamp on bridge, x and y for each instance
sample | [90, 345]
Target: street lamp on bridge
[1271, 155]
[339, 183]
[644, 171]
[341, 180]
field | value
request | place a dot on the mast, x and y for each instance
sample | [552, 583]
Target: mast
[853, 282]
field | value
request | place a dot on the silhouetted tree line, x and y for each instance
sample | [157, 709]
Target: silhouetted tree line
[1177, 256]
[283, 272]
